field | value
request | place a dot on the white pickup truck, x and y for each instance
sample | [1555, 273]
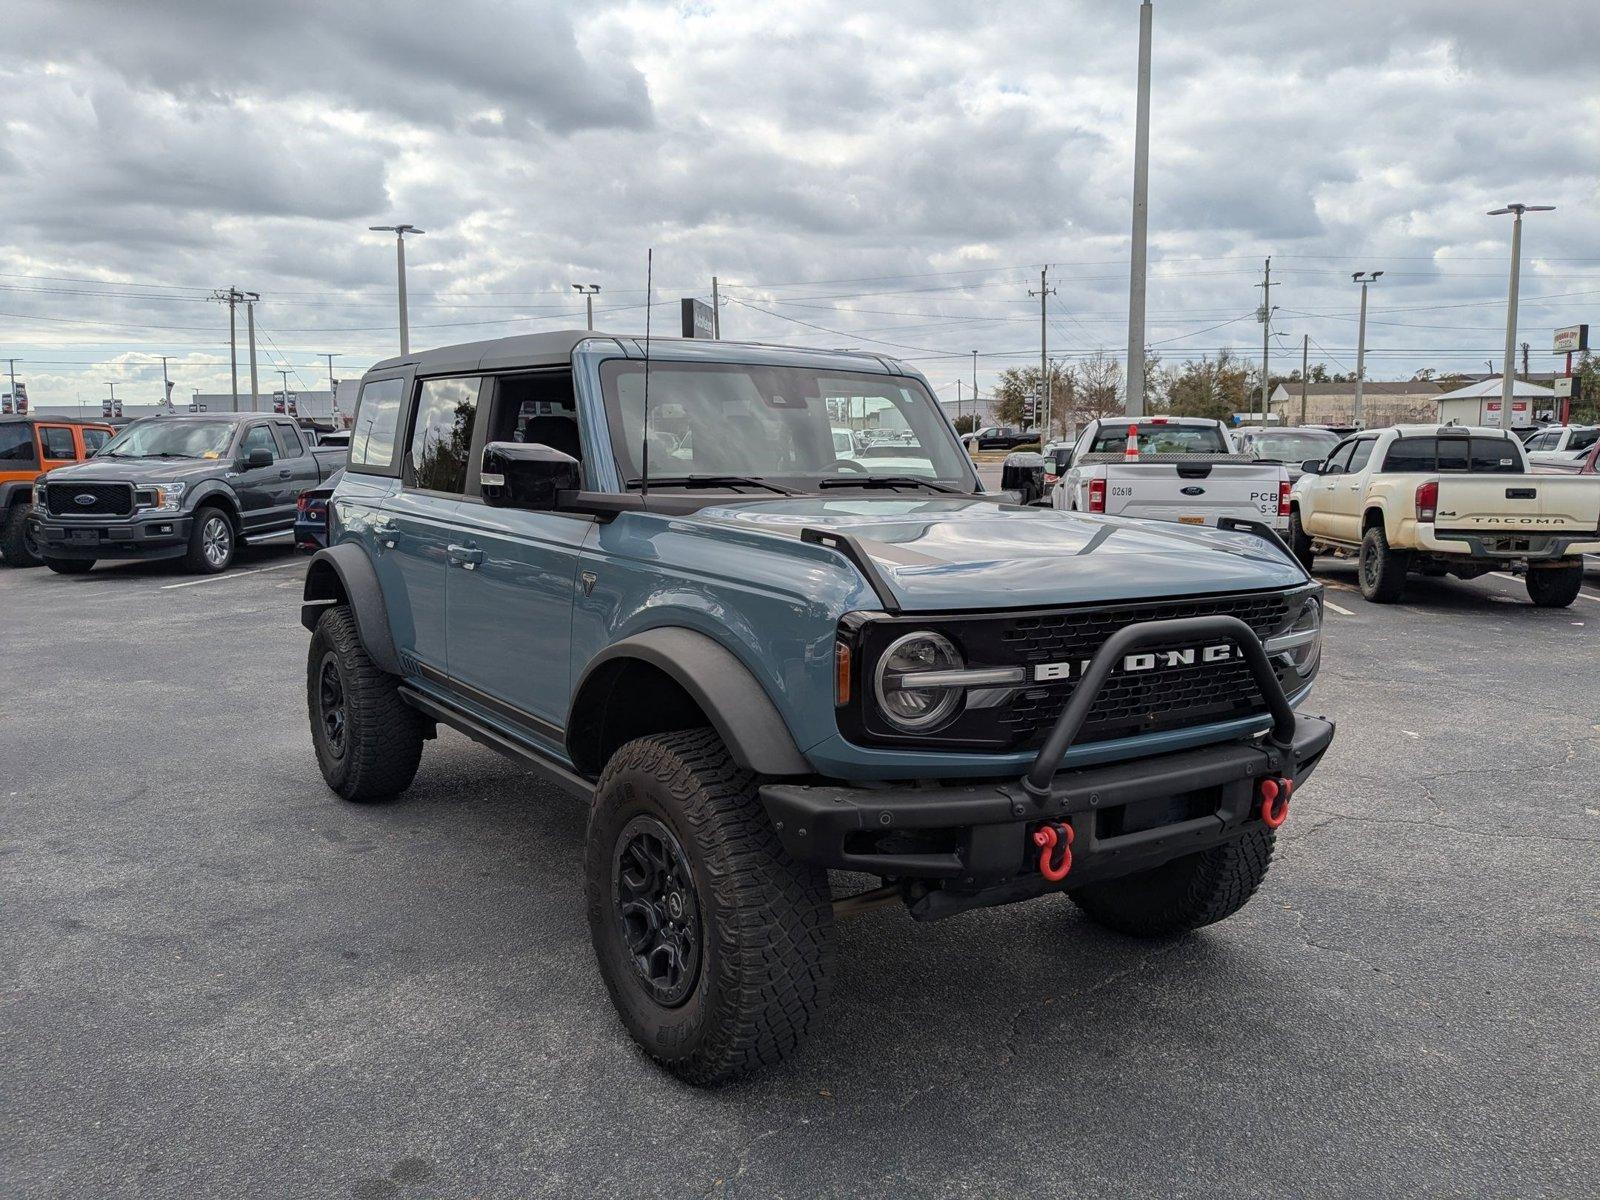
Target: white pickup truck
[1445, 500]
[1557, 445]
[1186, 470]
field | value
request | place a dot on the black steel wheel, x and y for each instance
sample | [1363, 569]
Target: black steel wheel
[657, 909]
[368, 740]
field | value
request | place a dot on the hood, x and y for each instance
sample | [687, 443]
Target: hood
[953, 553]
[141, 470]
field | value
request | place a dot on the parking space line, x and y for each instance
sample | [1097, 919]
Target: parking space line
[1330, 604]
[167, 587]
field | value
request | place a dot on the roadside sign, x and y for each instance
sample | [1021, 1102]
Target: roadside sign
[697, 321]
[105, 407]
[22, 399]
[1572, 339]
[5, 405]
[1569, 387]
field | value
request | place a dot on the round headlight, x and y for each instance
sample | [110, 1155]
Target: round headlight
[914, 709]
[1305, 657]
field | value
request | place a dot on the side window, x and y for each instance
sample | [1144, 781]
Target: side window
[93, 439]
[442, 434]
[1340, 458]
[16, 443]
[259, 437]
[372, 438]
[288, 441]
[1582, 439]
[1359, 457]
[1543, 441]
[56, 442]
[1411, 455]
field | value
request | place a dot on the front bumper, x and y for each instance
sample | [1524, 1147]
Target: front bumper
[159, 535]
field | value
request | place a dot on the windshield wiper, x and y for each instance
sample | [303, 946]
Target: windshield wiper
[690, 481]
[887, 481]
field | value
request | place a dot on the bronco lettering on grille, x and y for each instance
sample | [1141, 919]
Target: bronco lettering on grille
[1056, 672]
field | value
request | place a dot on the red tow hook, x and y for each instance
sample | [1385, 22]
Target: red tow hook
[1275, 800]
[1049, 837]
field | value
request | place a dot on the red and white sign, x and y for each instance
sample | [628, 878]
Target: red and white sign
[1572, 339]
[1519, 413]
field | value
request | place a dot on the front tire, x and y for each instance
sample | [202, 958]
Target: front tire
[1300, 541]
[1555, 588]
[17, 546]
[212, 542]
[70, 566]
[716, 946]
[1382, 570]
[368, 740]
[1184, 894]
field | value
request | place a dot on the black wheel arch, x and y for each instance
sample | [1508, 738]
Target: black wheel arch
[677, 678]
[218, 495]
[343, 574]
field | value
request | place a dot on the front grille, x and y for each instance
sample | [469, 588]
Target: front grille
[107, 499]
[1166, 698]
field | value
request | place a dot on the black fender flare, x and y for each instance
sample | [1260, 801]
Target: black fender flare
[11, 490]
[344, 574]
[738, 707]
[214, 491]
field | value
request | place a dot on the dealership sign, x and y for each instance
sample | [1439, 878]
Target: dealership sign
[1572, 339]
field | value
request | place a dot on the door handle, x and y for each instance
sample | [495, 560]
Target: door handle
[465, 557]
[285, 473]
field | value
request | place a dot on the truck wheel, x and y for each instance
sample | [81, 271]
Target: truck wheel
[1382, 570]
[211, 541]
[715, 945]
[368, 740]
[70, 566]
[16, 543]
[1186, 893]
[1555, 588]
[1300, 541]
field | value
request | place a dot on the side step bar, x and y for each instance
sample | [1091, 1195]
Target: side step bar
[529, 756]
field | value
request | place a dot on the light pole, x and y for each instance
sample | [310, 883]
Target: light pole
[974, 389]
[1141, 217]
[400, 232]
[284, 372]
[588, 291]
[250, 299]
[166, 384]
[1506, 382]
[1363, 278]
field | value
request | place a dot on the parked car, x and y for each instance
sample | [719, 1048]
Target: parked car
[29, 447]
[1557, 445]
[1186, 471]
[1582, 463]
[998, 437]
[1290, 445]
[753, 665]
[190, 486]
[311, 515]
[1445, 499]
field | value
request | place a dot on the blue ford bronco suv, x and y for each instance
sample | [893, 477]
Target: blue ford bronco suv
[760, 653]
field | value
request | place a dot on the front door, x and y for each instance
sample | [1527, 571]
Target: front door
[56, 447]
[1317, 516]
[1348, 492]
[258, 487]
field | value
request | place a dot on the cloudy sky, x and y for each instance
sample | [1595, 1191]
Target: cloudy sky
[889, 176]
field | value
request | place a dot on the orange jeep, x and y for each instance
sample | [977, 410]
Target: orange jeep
[30, 446]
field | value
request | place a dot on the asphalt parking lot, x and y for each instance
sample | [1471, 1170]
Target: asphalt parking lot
[219, 980]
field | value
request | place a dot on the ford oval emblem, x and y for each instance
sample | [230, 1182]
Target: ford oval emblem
[1194, 491]
[85, 499]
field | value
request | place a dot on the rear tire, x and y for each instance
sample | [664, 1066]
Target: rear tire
[212, 541]
[1382, 570]
[17, 547]
[1300, 541]
[368, 740]
[1184, 894]
[716, 946]
[70, 566]
[1555, 588]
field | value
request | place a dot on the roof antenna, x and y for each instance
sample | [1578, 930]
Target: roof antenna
[644, 451]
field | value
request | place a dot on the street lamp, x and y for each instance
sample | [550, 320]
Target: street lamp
[400, 232]
[1511, 301]
[1363, 278]
[974, 391]
[588, 291]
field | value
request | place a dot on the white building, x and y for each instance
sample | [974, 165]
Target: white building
[1479, 403]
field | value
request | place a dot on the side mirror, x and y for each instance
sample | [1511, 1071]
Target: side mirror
[1312, 466]
[526, 475]
[258, 458]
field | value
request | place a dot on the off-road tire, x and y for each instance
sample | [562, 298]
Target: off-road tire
[1300, 541]
[1382, 571]
[765, 921]
[1184, 894]
[1555, 587]
[382, 736]
[195, 559]
[16, 547]
[70, 566]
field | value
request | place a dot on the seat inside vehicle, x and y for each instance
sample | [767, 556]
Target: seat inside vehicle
[537, 409]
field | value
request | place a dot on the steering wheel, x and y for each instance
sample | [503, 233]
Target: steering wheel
[849, 464]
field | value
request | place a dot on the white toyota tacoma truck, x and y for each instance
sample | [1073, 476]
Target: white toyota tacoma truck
[1183, 469]
[1445, 500]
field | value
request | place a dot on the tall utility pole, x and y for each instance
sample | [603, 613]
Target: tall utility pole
[333, 387]
[1043, 411]
[284, 372]
[1305, 367]
[12, 364]
[1363, 278]
[1266, 334]
[1511, 302]
[112, 383]
[716, 310]
[250, 299]
[166, 384]
[1141, 214]
[400, 232]
[1525, 348]
[975, 389]
[231, 298]
[588, 291]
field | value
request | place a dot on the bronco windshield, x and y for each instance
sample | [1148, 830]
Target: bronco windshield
[171, 437]
[780, 424]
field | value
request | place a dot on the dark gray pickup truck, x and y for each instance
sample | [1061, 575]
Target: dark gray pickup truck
[189, 486]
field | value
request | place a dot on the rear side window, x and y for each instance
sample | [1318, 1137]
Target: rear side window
[288, 441]
[372, 439]
[1583, 439]
[93, 439]
[1452, 455]
[55, 441]
[442, 435]
[16, 443]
